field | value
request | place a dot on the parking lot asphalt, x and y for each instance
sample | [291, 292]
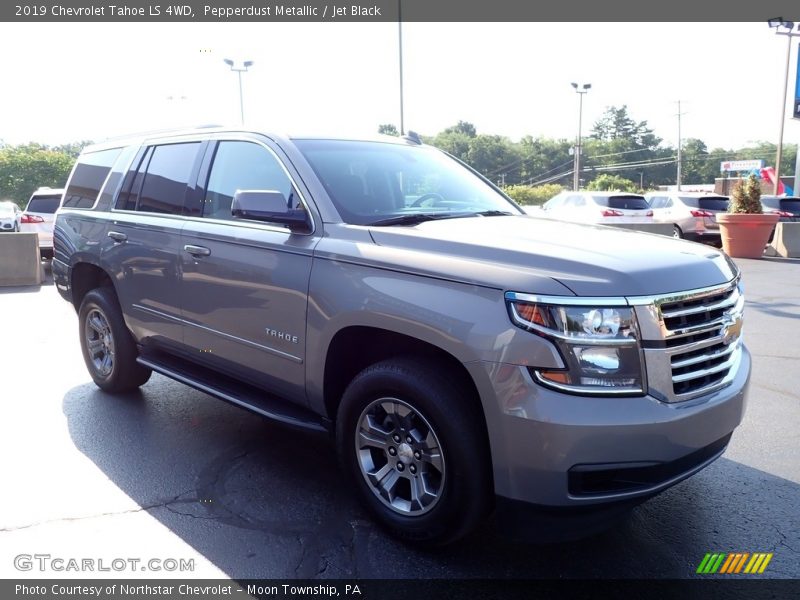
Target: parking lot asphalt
[170, 472]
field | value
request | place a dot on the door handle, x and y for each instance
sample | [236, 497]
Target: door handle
[197, 250]
[117, 236]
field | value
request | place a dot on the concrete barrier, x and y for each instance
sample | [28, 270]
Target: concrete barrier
[659, 228]
[786, 241]
[20, 261]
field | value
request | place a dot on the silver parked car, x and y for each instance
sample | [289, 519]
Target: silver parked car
[465, 357]
[600, 208]
[691, 214]
[10, 216]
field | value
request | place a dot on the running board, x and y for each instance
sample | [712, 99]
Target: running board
[234, 391]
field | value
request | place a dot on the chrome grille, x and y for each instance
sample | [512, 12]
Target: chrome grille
[701, 333]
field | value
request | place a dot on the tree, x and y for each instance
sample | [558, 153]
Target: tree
[628, 147]
[606, 182]
[388, 129]
[27, 167]
[73, 149]
[464, 127]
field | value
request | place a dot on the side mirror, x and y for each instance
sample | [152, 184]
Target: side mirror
[269, 206]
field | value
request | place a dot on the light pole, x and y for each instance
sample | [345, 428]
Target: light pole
[245, 65]
[581, 90]
[400, 56]
[782, 27]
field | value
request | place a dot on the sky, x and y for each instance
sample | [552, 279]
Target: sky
[64, 82]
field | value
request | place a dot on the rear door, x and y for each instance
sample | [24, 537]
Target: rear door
[142, 249]
[245, 283]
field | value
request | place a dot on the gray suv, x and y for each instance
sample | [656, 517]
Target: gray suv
[466, 358]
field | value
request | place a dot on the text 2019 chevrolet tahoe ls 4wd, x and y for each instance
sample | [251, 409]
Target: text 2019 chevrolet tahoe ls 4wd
[467, 357]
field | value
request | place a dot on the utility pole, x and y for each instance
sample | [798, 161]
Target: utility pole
[400, 56]
[789, 26]
[581, 90]
[680, 143]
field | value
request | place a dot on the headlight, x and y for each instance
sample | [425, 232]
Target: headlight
[599, 344]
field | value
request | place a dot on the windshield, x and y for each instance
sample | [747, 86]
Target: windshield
[6, 209]
[44, 204]
[370, 182]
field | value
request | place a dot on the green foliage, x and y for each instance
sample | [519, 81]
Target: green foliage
[27, 167]
[746, 197]
[388, 129]
[606, 182]
[532, 195]
[468, 129]
[494, 156]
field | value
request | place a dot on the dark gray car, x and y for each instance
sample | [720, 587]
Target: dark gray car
[465, 357]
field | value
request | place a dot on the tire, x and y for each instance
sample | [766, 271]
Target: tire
[403, 412]
[108, 347]
[16, 227]
[677, 233]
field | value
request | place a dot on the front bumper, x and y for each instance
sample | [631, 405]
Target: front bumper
[553, 449]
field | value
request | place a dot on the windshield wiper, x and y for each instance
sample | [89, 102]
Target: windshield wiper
[413, 219]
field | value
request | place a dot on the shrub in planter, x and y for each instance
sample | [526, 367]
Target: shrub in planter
[744, 229]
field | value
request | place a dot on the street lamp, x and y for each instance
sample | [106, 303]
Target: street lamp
[782, 27]
[245, 65]
[581, 90]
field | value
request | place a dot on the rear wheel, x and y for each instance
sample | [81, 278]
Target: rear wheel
[676, 232]
[414, 445]
[108, 347]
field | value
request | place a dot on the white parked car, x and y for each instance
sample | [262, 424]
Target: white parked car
[10, 216]
[601, 208]
[39, 216]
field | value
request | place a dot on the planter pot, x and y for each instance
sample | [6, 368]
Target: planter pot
[745, 235]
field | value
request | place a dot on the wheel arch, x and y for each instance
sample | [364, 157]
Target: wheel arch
[354, 348]
[84, 277]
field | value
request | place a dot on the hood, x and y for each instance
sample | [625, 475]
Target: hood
[515, 253]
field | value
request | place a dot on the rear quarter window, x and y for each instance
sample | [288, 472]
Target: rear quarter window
[88, 177]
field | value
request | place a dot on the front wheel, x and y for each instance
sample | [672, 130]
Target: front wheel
[414, 445]
[108, 347]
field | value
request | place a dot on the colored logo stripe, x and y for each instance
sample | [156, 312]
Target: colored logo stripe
[733, 562]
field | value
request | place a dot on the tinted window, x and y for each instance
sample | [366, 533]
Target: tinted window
[623, 202]
[791, 205]
[133, 182]
[372, 181]
[241, 166]
[164, 185]
[44, 204]
[717, 203]
[88, 178]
